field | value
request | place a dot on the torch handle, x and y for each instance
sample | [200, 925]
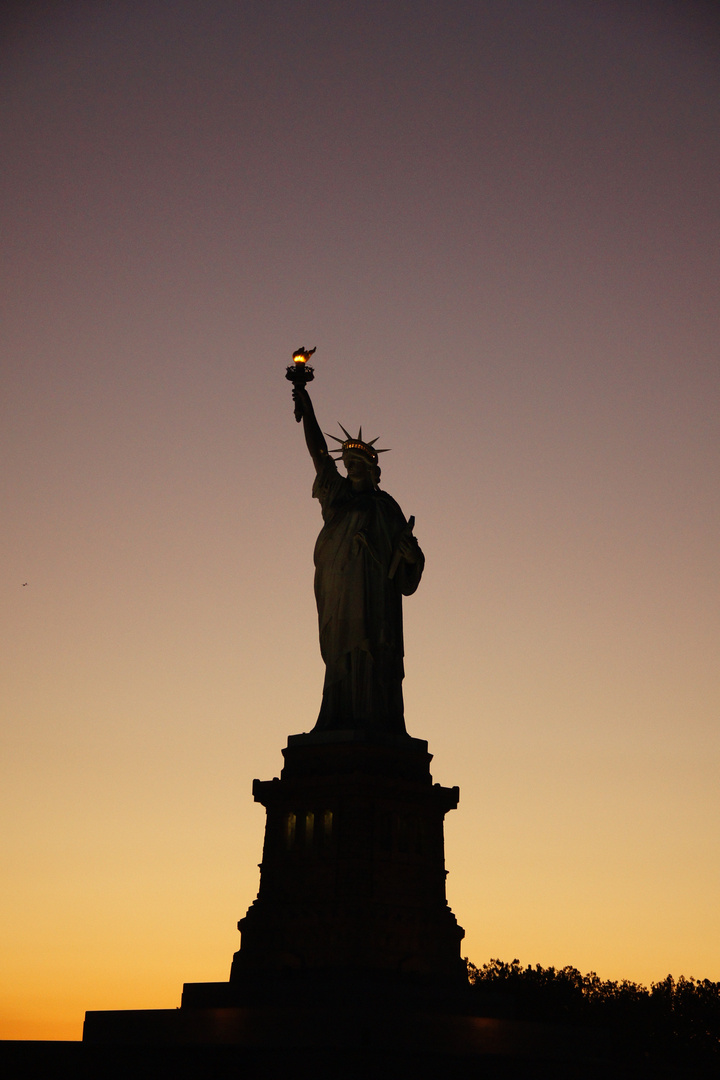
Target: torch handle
[299, 375]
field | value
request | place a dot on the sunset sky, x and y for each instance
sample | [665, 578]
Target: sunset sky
[499, 222]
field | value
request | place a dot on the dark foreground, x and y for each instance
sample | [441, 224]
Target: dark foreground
[25, 1060]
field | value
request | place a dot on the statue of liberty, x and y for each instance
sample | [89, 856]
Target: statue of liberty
[366, 560]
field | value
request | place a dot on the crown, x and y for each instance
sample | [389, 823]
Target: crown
[357, 445]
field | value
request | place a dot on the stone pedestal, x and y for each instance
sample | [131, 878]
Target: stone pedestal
[353, 872]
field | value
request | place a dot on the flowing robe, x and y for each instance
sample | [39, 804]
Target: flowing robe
[360, 604]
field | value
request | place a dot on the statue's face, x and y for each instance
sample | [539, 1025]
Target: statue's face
[359, 470]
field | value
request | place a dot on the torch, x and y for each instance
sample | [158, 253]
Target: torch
[300, 372]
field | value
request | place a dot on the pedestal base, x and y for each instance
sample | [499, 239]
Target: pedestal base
[399, 1031]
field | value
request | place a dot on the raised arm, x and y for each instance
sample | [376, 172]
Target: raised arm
[313, 435]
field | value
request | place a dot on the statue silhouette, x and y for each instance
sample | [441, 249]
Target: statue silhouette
[366, 560]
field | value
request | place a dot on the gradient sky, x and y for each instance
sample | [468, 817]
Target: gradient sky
[498, 221]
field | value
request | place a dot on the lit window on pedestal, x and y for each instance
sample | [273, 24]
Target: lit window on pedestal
[290, 821]
[327, 824]
[309, 826]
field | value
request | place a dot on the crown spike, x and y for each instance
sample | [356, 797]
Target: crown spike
[347, 433]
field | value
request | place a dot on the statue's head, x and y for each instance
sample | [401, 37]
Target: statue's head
[360, 466]
[359, 458]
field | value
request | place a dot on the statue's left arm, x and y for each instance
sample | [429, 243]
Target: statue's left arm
[408, 560]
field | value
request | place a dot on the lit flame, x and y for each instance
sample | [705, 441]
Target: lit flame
[299, 358]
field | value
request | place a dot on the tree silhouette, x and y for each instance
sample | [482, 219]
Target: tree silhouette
[675, 1020]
